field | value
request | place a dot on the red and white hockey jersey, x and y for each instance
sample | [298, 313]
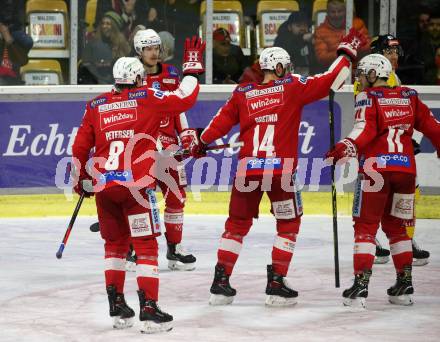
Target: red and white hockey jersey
[167, 78]
[269, 116]
[123, 128]
[385, 119]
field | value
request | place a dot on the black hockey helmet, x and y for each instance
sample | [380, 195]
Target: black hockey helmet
[381, 43]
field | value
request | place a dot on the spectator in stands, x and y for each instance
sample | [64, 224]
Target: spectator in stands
[167, 54]
[103, 50]
[228, 59]
[430, 52]
[294, 37]
[329, 33]
[14, 42]
[133, 12]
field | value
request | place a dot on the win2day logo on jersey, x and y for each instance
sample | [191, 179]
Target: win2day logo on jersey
[262, 103]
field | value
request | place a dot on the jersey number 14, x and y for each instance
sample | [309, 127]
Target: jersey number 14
[266, 144]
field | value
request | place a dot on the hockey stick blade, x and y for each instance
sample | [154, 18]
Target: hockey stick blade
[60, 251]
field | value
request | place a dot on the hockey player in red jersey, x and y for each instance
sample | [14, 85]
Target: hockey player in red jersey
[269, 115]
[385, 118]
[122, 126]
[163, 76]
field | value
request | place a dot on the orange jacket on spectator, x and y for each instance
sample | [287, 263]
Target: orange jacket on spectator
[327, 39]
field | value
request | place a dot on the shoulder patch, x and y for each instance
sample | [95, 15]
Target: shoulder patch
[303, 79]
[365, 102]
[172, 70]
[244, 88]
[155, 85]
[376, 93]
[285, 80]
[408, 92]
[98, 101]
[137, 94]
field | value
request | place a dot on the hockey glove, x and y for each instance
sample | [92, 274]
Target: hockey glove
[84, 186]
[346, 148]
[193, 56]
[351, 43]
[190, 139]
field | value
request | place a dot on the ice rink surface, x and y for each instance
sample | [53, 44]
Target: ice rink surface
[45, 299]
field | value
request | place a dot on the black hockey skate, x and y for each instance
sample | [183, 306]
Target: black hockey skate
[131, 260]
[420, 256]
[382, 254]
[400, 293]
[178, 259]
[278, 291]
[153, 319]
[357, 294]
[122, 314]
[221, 291]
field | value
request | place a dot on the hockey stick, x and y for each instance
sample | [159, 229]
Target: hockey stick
[69, 228]
[94, 227]
[331, 120]
[182, 153]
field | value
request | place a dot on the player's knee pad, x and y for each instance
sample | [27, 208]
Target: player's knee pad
[238, 227]
[365, 232]
[395, 228]
[288, 227]
[117, 248]
[175, 200]
[145, 248]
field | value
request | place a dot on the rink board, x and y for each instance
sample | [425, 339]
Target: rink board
[39, 125]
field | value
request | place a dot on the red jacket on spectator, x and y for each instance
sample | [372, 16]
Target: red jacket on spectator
[327, 39]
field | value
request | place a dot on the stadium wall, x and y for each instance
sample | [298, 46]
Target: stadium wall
[38, 126]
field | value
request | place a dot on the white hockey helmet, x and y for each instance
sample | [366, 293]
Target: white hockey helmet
[271, 57]
[144, 38]
[379, 63]
[126, 70]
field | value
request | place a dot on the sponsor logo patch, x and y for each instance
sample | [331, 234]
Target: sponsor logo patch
[409, 93]
[139, 225]
[397, 113]
[120, 176]
[376, 93]
[156, 85]
[244, 88]
[393, 102]
[393, 159]
[284, 80]
[159, 94]
[265, 91]
[98, 101]
[109, 119]
[258, 104]
[117, 105]
[264, 164]
[169, 80]
[363, 103]
[137, 94]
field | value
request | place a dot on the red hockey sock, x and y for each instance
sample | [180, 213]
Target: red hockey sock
[115, 254]
[147, 273]
[364, 252]
[229, 250]
[282, 252]
[173, 219]
[401, 251]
